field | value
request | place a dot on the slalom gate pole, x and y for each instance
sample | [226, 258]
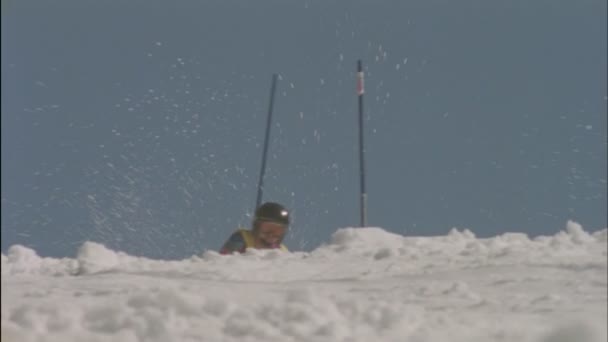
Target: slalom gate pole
[360, 91]
[265, 152]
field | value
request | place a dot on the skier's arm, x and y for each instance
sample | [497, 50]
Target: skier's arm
[235, 243]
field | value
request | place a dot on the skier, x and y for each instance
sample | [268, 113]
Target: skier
[269, 227]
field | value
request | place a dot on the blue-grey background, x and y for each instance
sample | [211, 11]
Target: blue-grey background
[140, 124]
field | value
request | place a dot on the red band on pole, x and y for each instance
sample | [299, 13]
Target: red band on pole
[360, 89]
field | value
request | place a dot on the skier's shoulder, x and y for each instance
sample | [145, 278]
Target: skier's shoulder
[235, 243]
[240, 240]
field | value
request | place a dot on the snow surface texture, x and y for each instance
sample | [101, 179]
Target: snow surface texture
[365, 285]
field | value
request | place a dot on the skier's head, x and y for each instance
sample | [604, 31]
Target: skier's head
[272, 212]
[270, 224]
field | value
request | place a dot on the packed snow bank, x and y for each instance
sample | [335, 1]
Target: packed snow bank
[365, 284]
[21, 260]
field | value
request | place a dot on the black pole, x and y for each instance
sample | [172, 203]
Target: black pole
[268, 124]
[360, 91]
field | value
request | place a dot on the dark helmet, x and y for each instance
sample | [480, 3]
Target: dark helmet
[272, 212]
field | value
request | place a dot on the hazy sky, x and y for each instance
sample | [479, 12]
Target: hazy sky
[139, 124]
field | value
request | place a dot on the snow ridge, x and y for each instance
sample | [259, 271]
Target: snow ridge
[365, 284]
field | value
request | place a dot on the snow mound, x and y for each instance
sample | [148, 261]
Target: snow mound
[574, 234]
[21, 260]
[367, 242]
[601, 235]
[94, 257]
[357, 238]
[573, 247]
[365, 284]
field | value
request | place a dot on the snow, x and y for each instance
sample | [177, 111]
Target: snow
[366, 284]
